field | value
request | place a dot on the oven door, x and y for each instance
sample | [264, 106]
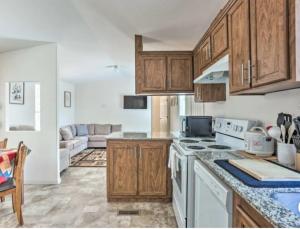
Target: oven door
[180, 188]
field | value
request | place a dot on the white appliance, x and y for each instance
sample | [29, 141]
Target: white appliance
[258, 142]
[229, 137]
[213, 200]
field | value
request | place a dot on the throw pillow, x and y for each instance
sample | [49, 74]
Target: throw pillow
[104, 129]
[82, 130]
[66, 133]
[116, 128]
[91, 128]
[73, 129]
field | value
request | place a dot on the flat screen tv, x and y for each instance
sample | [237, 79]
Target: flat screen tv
[135, 102]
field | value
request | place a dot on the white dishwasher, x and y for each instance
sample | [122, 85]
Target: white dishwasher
[213, 199]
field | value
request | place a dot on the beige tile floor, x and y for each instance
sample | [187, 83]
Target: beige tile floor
[80, 201]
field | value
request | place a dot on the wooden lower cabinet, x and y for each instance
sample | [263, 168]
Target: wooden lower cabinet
[245, 216]
[210, 93]
[137, 170]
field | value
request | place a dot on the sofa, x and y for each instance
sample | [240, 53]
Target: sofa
[78, 137]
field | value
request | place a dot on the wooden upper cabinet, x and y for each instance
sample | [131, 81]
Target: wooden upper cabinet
[153, 171]
[239, 42]
[180, 73]
[210, 93]
[122, 169]
[154, 73]
[205, 53]
[269, 41]
[197, 67]
[219, 38]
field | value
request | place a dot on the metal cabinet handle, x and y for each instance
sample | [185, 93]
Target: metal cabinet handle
[242, 74]
[249, 71]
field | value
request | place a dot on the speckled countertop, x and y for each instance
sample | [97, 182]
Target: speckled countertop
[141, 136]
[259, 198]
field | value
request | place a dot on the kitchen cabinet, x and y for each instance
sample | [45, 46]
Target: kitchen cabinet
[205, 53]
[180, 73]
[153, 172]
[197, 67]
[122, 158]
[219, 38]
[245, 216]
[239, 39]
[138, 170]
[154, 73]
[262, 46]
[160, 72]
[210, 92]
[269, 41]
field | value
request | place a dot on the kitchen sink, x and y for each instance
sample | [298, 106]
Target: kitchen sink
[289, 200]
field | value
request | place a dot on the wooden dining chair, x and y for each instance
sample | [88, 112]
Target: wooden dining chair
[14, 185]
[3, 144]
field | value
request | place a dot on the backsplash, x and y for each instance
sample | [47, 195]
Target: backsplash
[263, 108]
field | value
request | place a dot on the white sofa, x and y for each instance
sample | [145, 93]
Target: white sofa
[78, 137]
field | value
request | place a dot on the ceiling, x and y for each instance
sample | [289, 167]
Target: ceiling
[92, 34]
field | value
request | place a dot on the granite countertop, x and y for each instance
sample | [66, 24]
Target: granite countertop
[258, 198]
[142, 136]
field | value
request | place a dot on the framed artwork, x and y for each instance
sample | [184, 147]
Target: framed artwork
[16, 93]
[68, 99]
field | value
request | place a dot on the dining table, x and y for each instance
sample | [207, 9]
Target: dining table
[7, 159]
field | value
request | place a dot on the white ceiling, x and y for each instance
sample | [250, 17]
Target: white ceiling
[92, 34]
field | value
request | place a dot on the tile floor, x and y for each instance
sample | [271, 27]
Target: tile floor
[80, 201]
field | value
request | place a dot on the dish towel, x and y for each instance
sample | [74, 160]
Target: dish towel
[172, 162]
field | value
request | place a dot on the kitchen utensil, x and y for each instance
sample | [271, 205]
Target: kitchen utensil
[275, 132]
[280, 119]
[258, 142]
[265, 170]
[286, 153]
[296, 140]
[297, 125]
[291, 131]
[283, 133]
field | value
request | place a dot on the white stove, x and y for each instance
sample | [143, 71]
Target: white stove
[229, 137]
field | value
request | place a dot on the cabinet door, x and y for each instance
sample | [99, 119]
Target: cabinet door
[205, 56]
[180, 73]
[153, 169]
[122, 165]
[210, 92]
[239, 42]
[219, 38]
[243, 220]
[197, 69]
[269, 41]
[154, 73]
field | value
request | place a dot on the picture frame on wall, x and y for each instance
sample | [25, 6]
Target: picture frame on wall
[68, 99]
[17, 93]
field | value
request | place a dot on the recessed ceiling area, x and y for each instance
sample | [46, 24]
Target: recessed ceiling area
[92, 34]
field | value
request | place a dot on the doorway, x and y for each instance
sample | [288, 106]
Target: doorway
[160, 114]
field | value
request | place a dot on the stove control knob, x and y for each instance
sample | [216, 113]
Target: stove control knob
[241, 129]
[235, 128]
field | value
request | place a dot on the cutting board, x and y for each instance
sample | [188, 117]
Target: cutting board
[264, 170]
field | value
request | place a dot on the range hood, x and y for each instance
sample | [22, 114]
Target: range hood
[217, 73]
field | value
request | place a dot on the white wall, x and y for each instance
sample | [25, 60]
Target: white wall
[37, 64]
[102, 102]
[66, 114]
[263, 108]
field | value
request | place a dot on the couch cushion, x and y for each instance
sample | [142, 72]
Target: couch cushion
[66, 145]
[116, 128]
[77, 143]
[66, 133]
[73, 129]
[82, 130]
[91, 129]
[102, 129]
[97, 138]
[60, 137]
[64, 153]
[83, 139]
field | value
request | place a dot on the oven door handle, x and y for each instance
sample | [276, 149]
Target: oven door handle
[179, 156]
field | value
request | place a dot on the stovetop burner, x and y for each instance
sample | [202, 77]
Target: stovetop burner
[219, 147]
[188, 141]
[196, 147]
[208, 140]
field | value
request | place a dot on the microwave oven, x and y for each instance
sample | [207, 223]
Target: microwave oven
[196, 126]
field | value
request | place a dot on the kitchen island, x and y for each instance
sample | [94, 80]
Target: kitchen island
[252, 207]
[137, 167]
